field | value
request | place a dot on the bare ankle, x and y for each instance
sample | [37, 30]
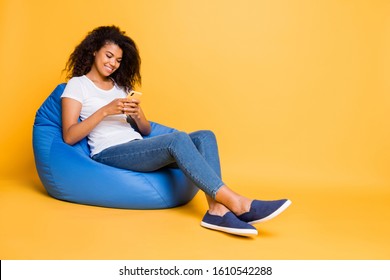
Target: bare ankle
[218, 209]
[243, 205]
[238, 204]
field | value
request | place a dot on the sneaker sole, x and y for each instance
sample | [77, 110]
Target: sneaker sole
[274, 214]
[236, 231]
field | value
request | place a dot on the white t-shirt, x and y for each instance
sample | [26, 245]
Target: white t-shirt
[113, 129]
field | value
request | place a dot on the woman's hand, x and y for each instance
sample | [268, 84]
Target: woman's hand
[133, 109]
[73, 131]
[115, 107]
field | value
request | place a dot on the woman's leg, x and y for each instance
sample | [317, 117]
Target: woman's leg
[154, 153]
[207, 146]
[197, 156]
[226, 199]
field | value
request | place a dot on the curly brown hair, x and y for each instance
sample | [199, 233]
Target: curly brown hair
[82, 58]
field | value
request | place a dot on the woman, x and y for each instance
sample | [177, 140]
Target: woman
[102, 69]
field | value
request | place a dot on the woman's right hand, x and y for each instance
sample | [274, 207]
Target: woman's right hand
[115, 107]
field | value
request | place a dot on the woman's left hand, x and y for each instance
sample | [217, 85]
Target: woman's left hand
[132, 109]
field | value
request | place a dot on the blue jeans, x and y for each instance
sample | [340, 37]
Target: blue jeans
[196, 154]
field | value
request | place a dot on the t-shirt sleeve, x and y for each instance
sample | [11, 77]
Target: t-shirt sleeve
[74, 90]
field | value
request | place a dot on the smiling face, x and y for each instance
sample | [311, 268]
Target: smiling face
[107, 60]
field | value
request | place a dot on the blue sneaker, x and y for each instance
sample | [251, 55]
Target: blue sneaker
[262, 210]
[228, 223]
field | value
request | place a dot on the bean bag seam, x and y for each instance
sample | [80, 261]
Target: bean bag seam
[155, 189]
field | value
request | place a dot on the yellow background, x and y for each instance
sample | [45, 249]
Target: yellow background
[297, 92]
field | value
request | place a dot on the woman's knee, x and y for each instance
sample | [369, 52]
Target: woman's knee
[203, 136]
[201, 139]
[207, 134]
[181, 137]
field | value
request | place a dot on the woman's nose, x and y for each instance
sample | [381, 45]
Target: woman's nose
[113, 62]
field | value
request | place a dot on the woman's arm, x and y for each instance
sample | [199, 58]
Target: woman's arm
[72, 130]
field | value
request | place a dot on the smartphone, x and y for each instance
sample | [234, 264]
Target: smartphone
[134, 94]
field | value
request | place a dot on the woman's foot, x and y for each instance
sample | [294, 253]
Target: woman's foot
[263, 210]
[228, 223]
[234, 213]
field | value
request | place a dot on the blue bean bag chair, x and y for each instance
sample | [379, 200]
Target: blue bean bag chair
[68, 173]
